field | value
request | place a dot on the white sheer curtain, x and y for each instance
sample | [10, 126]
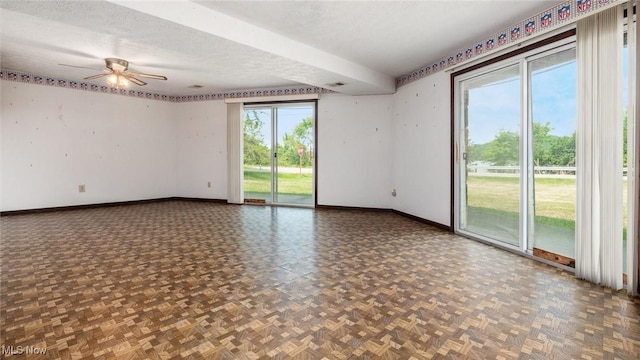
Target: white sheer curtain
[599, 148]
[235, 193]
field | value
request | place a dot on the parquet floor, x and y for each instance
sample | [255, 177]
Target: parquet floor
[191, 280]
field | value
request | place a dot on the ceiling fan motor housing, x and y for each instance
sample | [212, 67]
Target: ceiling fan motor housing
[117, 65]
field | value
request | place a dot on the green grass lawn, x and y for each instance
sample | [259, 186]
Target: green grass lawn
[555, 198]
[259, 182]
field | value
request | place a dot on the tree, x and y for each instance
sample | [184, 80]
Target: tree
[504, 149]
[304, 132]
[476, 152]
[548, 149]
[302, 136]
[256, 152]
[564, 150]
[288, 151]
[543, 144]
[552, 150]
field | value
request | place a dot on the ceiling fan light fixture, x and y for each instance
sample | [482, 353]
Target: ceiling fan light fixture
[123, 81]
[112, 79]
[117, 80]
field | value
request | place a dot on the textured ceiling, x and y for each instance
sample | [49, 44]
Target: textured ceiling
[230, 45]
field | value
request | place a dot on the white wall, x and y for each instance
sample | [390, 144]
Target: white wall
[202, 149]
[54, 139]
[422, 150]
[124, 148]
[355, 150]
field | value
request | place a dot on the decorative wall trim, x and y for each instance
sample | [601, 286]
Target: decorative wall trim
[293, 97]
[21, 77]
[560, 15]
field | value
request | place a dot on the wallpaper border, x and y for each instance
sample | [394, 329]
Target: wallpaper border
[563, 14]
[21, 77]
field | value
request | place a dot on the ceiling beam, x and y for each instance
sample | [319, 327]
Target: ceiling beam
[301, 62]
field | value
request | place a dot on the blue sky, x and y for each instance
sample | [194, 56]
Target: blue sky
[288, 118]
[496, 106]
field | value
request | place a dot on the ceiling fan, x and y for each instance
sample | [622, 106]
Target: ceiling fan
[119, 75]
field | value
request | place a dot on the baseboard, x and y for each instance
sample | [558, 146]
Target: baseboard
[101, 205]
[218, 201]
[403, 214]
[357, 208]
[446, 228]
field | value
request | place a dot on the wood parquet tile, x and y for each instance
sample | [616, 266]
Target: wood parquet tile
[190, 280]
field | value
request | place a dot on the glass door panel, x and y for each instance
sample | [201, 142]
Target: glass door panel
[294, 139]
[490, 163]
[552, 199]
[257, 132]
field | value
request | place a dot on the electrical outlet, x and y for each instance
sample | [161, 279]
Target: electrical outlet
[82, 188]
[208, 184]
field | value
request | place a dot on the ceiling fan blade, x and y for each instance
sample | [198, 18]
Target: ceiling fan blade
[95, 76]
[149, 76]
[80, 67]
[136, 81]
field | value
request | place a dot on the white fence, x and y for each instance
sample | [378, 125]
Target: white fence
[491, 170]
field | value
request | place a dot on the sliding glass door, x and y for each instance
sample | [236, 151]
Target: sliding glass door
[490, 163]
[279, 154]
[552, 114]
[515, 173]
